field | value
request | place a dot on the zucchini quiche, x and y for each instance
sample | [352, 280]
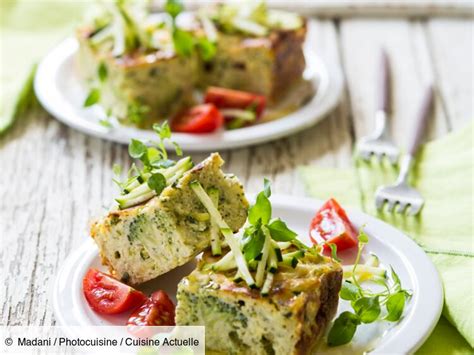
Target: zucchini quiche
[159, 222]
[267, 293]
[145, 67]
[240, 320]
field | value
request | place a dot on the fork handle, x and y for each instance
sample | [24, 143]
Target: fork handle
[421, 121]
[383, 84]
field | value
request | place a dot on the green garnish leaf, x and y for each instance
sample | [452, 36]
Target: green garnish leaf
[153, 155]
[105, 123]
[183, 42]
[343, 329]
[102, 72]
[333, 251]
[163, 130]
[92, 98]
[136, 112]
[261, 210]
[178, 150]
[396, 279]
[162, 164]
[267, 187]
[174, 7]
[363, 237]
[280, 232]
[395, 306]
[207, 49]
[253, 245]
[137, 149]
[117, 169]
[349, 291]
[157, 182]
[367, 308]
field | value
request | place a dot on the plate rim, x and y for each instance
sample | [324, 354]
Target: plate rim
[50, 97]
[406, 340]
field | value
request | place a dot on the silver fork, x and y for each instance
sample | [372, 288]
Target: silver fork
[401, 194]
[378, 143]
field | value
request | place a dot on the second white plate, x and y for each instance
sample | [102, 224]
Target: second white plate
[62, 92]
[415, 270]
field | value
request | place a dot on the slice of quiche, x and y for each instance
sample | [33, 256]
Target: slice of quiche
[142, 86]
[239, 320]
[259, 50]
[145, 241]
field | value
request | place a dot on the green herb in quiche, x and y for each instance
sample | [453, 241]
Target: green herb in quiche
[157, 170]
[185, 43]
[92, 98]
[368, 306]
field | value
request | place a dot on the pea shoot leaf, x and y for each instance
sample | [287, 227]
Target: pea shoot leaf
[178, 150]
[92, 98]
[154, 155]
[261, 210]
[343, 329]
[162, 164]
[105, 123]
[349, 291]
[363, 237]
[267, 187]
[333, 248]
[137, 149]
[117, 169]
[367, 308]
[207, 49]
[102, 71]
[157, 182]
[163, 130]
[395, 306]
[280, 232]
[174, 7]
[253, 245]
[396, 279]
[183, 42]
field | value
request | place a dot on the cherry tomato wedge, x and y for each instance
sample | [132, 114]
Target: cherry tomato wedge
[199, 119]
[107, 295]
[331, 225]
[228, 98]
[157, 310]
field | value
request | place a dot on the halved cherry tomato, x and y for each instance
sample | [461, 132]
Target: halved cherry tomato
[109, 296]
[228, 98]
[199, 119]
[157, 310]
[331, 225]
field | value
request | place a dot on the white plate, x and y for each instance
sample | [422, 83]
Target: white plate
[415, 270]
[62, 92]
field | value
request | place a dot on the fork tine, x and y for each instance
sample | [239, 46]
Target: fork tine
[380, 156]
[401, 207]
[379, 201]
[393, 159]
[365, 154]
[391, 205]
[415, 208]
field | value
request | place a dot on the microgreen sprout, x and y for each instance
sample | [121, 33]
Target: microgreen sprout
[261, 247]
[186, 42]
[156, 169]
[368, 306]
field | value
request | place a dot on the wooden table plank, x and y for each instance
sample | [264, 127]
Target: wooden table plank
[405, 43]
[452, 48]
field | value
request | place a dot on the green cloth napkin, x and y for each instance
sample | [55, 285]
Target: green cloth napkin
[444, 228]
[28, 29]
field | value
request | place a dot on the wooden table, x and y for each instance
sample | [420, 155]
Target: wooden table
[53, 180]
